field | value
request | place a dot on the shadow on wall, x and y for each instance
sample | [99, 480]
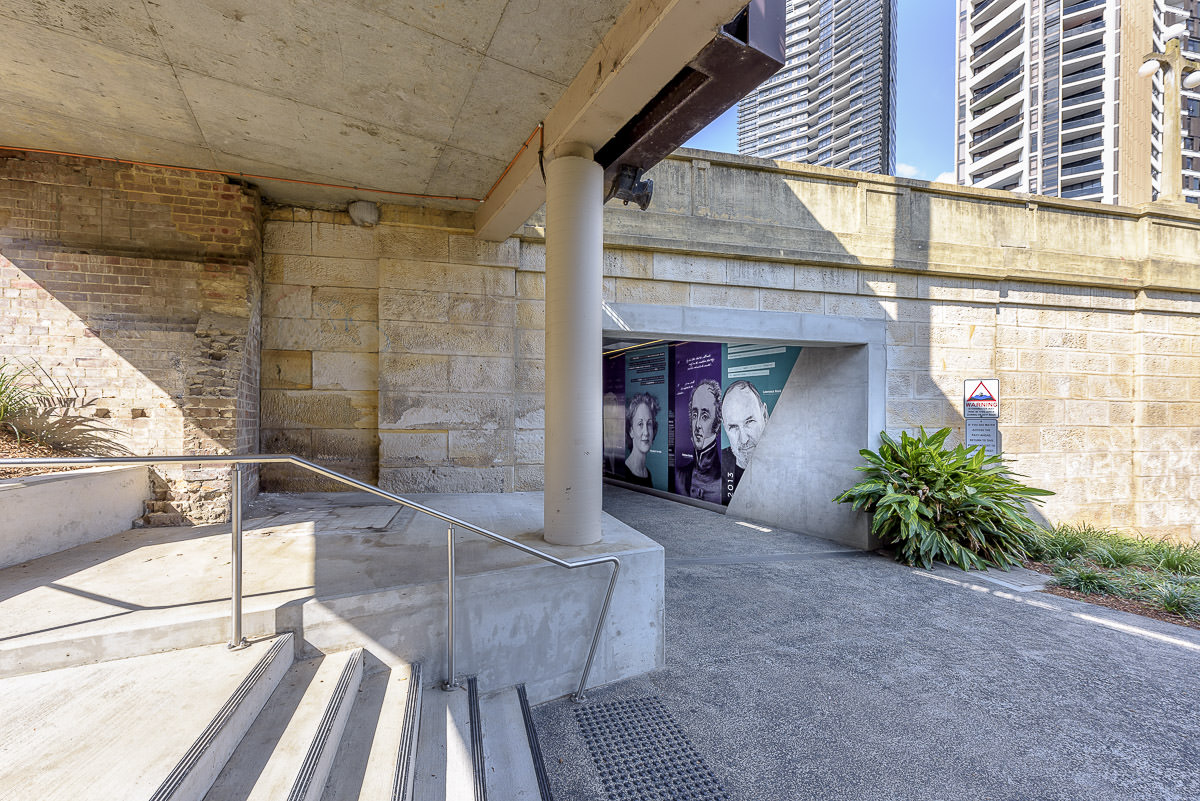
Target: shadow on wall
[140, 287]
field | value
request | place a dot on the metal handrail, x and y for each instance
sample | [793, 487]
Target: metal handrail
[236, 462]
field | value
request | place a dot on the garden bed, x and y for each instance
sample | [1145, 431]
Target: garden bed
[1154, 579]
[25, 448]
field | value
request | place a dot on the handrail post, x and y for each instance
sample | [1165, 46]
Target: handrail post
[236, 640]
[451, 682]
[580, 696]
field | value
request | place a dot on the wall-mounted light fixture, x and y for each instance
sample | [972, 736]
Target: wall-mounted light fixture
[364, 213]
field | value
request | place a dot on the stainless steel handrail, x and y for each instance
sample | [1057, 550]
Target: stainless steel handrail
[283, 458]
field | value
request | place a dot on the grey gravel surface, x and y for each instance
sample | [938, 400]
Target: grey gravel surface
[802, 671]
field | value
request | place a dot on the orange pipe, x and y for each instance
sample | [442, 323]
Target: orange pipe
[541, 128]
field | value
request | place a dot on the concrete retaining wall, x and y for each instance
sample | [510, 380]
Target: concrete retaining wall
[53, 512]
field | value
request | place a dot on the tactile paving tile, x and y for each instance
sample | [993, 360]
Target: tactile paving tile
[643, 755]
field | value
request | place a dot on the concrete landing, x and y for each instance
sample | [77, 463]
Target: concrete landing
[97, 731]
[344, 568]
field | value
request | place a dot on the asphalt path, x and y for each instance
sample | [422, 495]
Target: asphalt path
[796, 669]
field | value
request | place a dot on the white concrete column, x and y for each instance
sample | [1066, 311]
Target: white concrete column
[574, 386]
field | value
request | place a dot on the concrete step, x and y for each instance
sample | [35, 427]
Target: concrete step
[375, 760]
[445, 766]
[139, 592]
[121, 729]
[347, 577]
[195, 773]
[287, 754]
[512, 769]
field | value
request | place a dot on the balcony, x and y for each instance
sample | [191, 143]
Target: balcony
[995, 7]
[1008, 76]
[1085, 143]
[1083, 52]
[983, 176]
[1084, 6]
[1083, 75]
[995, 40]
[1085, 97]
[1083, 167]
[987, 133]
[1094, 118]
[979, 7]
[983, 154]
[1088, 189]
[1087, 27]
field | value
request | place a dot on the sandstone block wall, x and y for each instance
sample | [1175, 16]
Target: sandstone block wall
[1089, 315]
[141, 287]
[408, 354]
[433, 341]
[320, 359]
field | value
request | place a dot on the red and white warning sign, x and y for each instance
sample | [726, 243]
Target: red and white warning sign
[981, 397]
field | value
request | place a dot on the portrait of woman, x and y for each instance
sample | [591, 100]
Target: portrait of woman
[641, 424]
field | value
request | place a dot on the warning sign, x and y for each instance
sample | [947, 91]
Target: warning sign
[985, 432]
[981, 397]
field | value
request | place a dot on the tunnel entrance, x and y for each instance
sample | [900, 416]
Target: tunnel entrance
[768, 429]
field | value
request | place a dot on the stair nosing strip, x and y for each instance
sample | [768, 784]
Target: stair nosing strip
[476, 740]
[324, 729]
[535, 747]
[190, 759]
[408, 738]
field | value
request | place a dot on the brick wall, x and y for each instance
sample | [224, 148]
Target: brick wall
[141, 286]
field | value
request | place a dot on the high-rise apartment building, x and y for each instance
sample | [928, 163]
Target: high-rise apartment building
[834, 102]
[1049, 100]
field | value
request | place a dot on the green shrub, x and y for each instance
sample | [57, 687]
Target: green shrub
[36, 405]
[1119, 552]
[1063, 543]
[1136, 584]
[1178, 599]
[1086, 578]
[1174, 558]
[20, 393]
[958, 506]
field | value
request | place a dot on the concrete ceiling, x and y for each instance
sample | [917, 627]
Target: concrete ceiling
[418, 97]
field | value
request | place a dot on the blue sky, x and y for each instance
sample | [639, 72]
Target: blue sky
[924, 95]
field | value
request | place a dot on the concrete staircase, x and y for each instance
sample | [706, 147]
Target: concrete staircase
[212, 724]
[116, 683]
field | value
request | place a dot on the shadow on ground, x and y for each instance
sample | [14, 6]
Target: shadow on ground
[796, 669]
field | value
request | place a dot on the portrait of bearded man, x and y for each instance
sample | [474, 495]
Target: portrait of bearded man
[744, 416]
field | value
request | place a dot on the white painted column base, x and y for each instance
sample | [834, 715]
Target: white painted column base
[574, 292]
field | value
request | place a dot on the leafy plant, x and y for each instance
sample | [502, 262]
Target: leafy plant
[1134, 583]
[1179, 599]
[1086, 578]
[19, 391]
[1061, 544]
[1118, 553]
[34, 404]
[1175, 558]
[958, 506]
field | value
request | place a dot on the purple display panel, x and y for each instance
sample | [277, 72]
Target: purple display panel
[613, 409]
[696, 396]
